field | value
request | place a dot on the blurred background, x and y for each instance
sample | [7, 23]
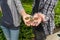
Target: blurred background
[26, 32]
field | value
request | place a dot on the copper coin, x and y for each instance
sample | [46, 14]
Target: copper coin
[27, 18]
[36, 18]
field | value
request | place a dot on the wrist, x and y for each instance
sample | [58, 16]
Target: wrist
[22, 12]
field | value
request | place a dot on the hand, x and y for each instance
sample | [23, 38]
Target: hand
[36, 20]
[42, 17]
[26, 19]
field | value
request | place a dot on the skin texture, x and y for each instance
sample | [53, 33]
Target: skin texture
[35, 20]
[38, 18]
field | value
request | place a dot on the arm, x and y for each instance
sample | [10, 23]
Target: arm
[48, 8]
[22, 12]
[43, 10]
[35, 6]
[0, 5]
[0, 8]
[20, 7]
[38, 7]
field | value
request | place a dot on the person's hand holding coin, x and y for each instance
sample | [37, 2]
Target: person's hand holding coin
[36, 20]
[33, 20]
[26, 19]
